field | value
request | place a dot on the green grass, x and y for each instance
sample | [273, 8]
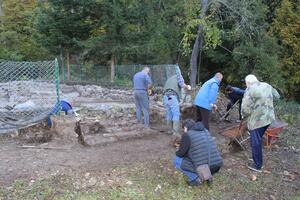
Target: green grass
[158, 182]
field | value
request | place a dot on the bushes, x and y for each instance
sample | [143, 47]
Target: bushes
[288, 111]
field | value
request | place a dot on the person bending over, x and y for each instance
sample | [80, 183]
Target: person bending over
[234, 94]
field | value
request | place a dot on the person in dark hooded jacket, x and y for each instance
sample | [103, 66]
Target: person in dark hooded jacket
[196, 148]
[234, 94]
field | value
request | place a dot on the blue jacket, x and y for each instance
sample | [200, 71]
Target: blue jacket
[236, 94]
[207, 94]
[141, 80]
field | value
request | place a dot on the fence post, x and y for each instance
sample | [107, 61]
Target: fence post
[112, 69]
[96, 68]
[57, 86]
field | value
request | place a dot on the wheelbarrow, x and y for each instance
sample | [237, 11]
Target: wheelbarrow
[240, 134]
[272, 133]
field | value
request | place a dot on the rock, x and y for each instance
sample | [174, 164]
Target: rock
[286, 173]
[92, 182]
[64, 128]
[87, 175]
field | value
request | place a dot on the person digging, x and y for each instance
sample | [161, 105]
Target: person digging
[235, 95]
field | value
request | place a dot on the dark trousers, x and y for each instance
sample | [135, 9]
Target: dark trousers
[256, 137]
[203, 116]
[229, 106]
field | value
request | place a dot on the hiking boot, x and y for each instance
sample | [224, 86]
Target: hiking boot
[250, 161]
[253, 167]
[169, 127]
[196, 182]
[209, 182]
[146, 127]
[176, 128]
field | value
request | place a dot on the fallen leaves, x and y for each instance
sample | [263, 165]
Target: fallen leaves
[289, 175]
[253, 177]
[158, 187]
[129, 183]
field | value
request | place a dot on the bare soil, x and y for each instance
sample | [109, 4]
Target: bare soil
[20, 163]
[34, 163]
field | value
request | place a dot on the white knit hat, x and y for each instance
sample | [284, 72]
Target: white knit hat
[251, 79]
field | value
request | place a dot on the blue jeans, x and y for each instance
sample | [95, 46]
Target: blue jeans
[190, 175]
[172, 106]
[256, 136]
[142, 105]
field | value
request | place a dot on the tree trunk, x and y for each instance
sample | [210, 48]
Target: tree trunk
[194, 60]
[112, 68]
[198, 45]
[68, 65]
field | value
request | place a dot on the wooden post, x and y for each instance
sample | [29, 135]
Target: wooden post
[68, 65]
[112, 68]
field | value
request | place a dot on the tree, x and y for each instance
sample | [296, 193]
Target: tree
[132, 31]
[63, 25]
[245, 46]
[198, 45]
[16, 29]
[286, 27]
[200, 34]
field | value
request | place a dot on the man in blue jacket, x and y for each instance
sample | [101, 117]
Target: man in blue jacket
[196, 148]
[235, 94]
[206, 98]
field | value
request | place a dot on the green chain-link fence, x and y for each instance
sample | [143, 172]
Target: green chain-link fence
[101, 75]
[28, 92]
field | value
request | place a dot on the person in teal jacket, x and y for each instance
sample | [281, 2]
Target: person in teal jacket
[206, 98]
